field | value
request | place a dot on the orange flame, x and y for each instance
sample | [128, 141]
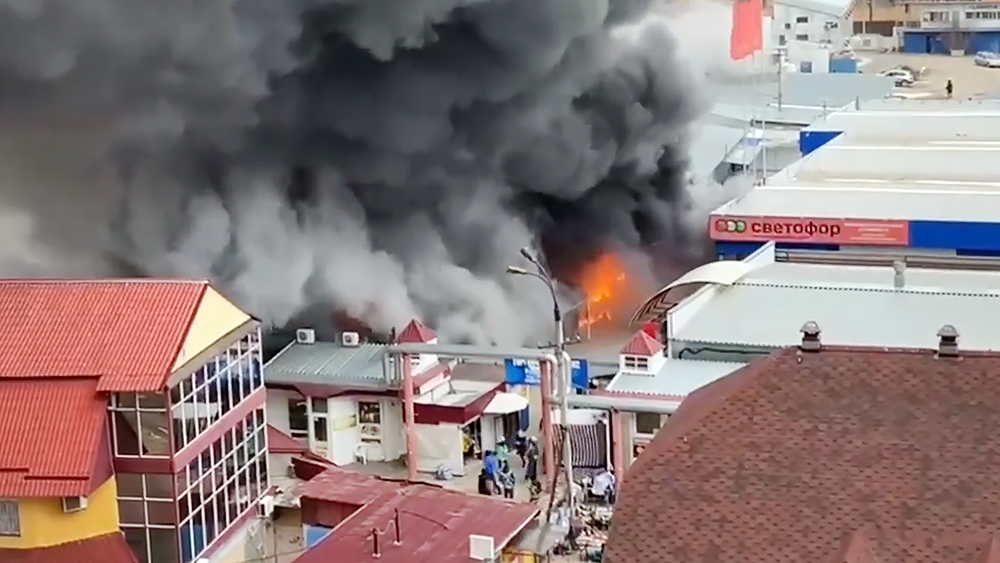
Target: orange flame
[605, 282]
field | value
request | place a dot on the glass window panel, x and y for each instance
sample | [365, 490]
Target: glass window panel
[187, 386]
[132, 512]
[126, 442]
[153, 433]
[136, 539]
[129, 485]
[126, 400]
[319, 428]
[647, 423]
[163, 544]
[319, 405]
[153, 401]
[160, 512]
[159, 486]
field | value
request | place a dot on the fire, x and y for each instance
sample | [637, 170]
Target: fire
[606, 285]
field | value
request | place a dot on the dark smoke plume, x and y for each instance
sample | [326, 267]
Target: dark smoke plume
[386, 158]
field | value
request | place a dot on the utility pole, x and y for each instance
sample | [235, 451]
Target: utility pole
[564, 366]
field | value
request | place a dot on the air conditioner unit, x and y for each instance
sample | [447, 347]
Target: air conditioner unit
[350, 339]
[265, 508]
[482, 548]
[74, 504]
[305, 336]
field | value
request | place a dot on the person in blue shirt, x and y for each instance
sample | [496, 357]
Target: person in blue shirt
[492, 466]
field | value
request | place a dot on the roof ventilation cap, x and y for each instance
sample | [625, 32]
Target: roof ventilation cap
[947, 342]
[810, 337]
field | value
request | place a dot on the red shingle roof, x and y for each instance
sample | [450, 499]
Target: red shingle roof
[280, 443]
[416, 333]
[347, 487]
[435, 524]
[642, 344]
[804, 457]
[127, 332]
[109, 548]
[50, 432]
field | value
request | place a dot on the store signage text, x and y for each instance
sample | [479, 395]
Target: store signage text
[806, 230]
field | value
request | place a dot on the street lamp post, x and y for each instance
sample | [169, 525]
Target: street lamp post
[565, 368]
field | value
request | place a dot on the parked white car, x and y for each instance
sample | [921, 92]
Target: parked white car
[987, 59]
[901, 77]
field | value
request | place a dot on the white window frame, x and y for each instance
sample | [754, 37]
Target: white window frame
[10, 519]
[639, 363]
[635, 425]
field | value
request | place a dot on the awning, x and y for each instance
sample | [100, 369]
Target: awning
[506, 403]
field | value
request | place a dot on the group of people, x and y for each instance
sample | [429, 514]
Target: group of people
[497, 477]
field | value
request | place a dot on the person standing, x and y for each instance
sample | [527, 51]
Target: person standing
[949, 88]
[492, 467]
[507, 480]
[503, 452]
[485, 483]
[531, 460]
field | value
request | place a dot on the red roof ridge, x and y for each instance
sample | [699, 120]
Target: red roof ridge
[642, 344]
[416, 332]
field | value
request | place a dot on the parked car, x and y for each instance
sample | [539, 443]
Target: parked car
[987, 59]
[900, 76]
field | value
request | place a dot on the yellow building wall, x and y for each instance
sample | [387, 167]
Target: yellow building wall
[216, 317]
[512, 556]
[43, 522]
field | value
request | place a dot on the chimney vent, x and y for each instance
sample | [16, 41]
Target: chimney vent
[899, 271]
[947, 342]
[810, 337]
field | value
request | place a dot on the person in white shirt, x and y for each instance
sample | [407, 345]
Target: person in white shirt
[604, 485]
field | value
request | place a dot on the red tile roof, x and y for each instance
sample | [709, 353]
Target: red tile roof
[348, 487]
[127, 332]
[435, 524]
[805, 456]
[109, 548]
[280, 443]
[642, 344]
[416, 333]
[50, 432]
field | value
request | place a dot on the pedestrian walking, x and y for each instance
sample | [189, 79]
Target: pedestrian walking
[949, 88]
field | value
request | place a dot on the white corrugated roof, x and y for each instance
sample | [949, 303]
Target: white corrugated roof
[678, 378]
[853, 305]
[913, 202]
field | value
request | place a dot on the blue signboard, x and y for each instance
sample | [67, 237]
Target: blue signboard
[528, 372]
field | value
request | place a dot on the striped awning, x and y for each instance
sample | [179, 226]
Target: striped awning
[588, 442]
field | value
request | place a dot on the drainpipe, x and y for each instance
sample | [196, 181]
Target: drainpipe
[546, 359]
[617, 445]
[409, 416]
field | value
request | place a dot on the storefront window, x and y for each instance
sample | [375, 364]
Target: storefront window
[370, 420]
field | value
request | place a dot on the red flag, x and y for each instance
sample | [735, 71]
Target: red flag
[747, 36]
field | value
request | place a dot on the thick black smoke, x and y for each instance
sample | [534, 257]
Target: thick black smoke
[387, 158]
